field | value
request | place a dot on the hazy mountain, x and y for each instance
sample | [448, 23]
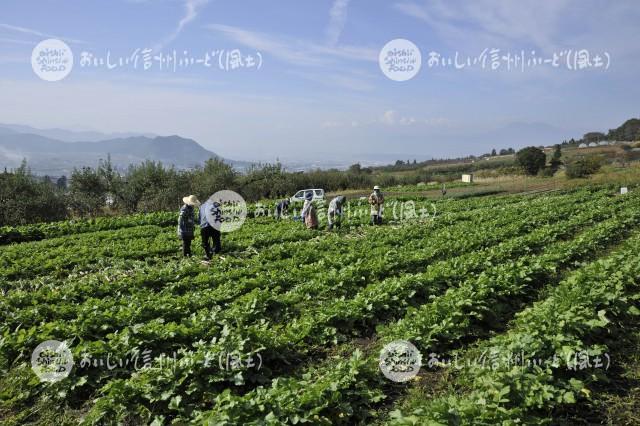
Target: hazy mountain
[512, 135]
[54, 157]
[65, 135]
[520, 133]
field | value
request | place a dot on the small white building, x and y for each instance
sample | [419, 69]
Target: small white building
[593, 144]
[603, 143]
[467, 178]
[582, 145]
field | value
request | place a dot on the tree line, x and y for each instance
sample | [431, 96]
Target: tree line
[151, 186]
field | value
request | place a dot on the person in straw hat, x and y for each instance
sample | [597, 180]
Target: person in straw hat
[187, 223]
[376, 200]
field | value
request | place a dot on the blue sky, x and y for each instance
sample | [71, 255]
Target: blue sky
[320, 92]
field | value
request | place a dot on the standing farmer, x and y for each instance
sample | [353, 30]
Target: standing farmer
[334, 214]
[187, 223]
[376, 200]
[208, 231]
[309, 214]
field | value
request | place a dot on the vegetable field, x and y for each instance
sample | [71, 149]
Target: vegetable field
[286, 326]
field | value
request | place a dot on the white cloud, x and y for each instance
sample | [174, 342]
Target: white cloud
[389, 117]
[14, 59]
[359, 82]
[392, 118]
[15, 41]
[293, 50]
[192, 8]
[337, 21]
[32, 32]
[492, 23]
[331, 124]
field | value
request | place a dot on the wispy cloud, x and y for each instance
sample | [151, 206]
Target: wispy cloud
[13, 59]
[390, 118]
[29, 31]
[337, 21]
[192, 9]
[528, 22]
[292, 50]
[15, 41]
[359, 82]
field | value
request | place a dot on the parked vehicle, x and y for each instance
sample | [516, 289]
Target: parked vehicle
[318, 194]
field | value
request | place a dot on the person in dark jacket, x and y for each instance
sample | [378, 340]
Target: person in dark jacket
[282, 209]
[334, 214]
[207, 231]
[187, 223]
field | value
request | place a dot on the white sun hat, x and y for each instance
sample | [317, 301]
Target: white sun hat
[191, 200]
[376, 187]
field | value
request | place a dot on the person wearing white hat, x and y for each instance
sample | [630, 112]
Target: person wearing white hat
[376, 200]
[187, 223]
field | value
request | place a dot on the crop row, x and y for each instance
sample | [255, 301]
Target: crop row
[323, 394]
[299, 334]
[97, 317]
[561, 338]
[41, 231]
[290, 262]
[195, 307]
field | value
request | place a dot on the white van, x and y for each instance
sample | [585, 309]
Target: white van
[318, 194]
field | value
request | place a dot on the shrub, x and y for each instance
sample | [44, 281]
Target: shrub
[583, 167]
[531, 159]
[546, 172]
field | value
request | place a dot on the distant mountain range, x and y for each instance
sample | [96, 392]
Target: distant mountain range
[48, 155]
[69, 135]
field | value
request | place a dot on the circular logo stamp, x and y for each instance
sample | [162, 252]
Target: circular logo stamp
[400, 361]
[400, 60]
[226, 210]
[52, 361]
[52, 60]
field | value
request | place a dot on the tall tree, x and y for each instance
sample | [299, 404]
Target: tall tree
[556, 161]
[531, 159]
[61, 183]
